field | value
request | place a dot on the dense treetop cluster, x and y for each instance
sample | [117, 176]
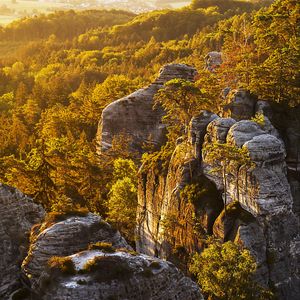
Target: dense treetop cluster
[58, 72]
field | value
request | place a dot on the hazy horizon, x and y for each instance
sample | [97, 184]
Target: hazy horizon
[11, 10]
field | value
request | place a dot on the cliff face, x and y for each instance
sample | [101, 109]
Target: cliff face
[119, 275]
[262, 198]
[65, 237]
[18, 215]
[166, 221]
[106, 271]
[90, 259]
[263, 191]
[134, 115]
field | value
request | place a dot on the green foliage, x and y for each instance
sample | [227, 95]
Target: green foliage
[59, 71]
[107, 268]
[225, 271]
[65, 265]
[181, 99]
[122, 197]
[259, 119]
[229, 5]
[158, 160]
[63, 24]
[194, 192]
[226, 153]
[275, 76]
[103, 246]
[54, 217]
[124, 168]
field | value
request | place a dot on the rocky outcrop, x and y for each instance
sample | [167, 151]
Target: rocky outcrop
[18, 214]
[264, 191]
[261, 197]
[213, 60]
[134, 115]
[287, 121]
[242, 105]
[118, 275]
[63, 235]
[79, 256]
[170, 223]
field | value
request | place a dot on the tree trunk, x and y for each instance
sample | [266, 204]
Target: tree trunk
[225, 187]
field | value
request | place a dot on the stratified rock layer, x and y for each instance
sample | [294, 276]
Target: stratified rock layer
[134, 115]
[265, 217]
[18, 214]
[120, 275]
[166, 219]
[264, 191]
[66, 237]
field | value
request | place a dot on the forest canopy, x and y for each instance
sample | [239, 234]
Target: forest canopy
[59, 71]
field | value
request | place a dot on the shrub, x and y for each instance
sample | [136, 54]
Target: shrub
[107, 268]
[259, 119]
[226, 271]
[131, 252]
[54, 217]
[103, 246]
[64, 264]
[155, 265]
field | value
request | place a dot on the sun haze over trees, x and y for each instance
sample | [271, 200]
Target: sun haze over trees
[59, 71]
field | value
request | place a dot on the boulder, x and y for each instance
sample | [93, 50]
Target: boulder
[213, 60]
[242, 105]
[242, 132]
[135, 116]
[18, 214]
[217, 130]
[65, 234]
[99, 275]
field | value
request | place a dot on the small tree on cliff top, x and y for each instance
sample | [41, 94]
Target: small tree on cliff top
[181, 99]
[227, 155]
[226, 271]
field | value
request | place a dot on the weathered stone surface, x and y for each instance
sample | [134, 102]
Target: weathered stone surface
[64, 238]
[264, 108]
[18, 215]
[170, 224]
[264, 191]
[218, 129]
[242, 132]
[117, 274]
[151, 193]
[198, 130]
[120, 275]
[251, 236]
[242, 106]
[213, 60]
[134, 115]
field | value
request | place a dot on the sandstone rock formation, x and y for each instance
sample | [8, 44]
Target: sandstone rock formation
[134, 115]
[18, 215]
[110, 269]
[263, 191]
[119, 275]
[242, 105]
[213, 60]
[66, 235]
[166, 219]
[263, 195]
